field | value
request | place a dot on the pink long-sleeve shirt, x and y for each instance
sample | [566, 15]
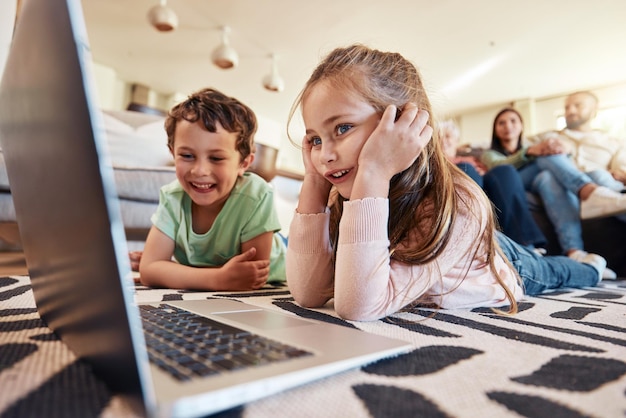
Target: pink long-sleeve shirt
[368, 284]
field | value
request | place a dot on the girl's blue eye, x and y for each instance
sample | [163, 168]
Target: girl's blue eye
[315, 141]
[343, 128]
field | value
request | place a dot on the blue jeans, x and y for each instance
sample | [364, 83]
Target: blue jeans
[543, 273]
[606, 179]
[504, 187]
[471, 171]
[557, 181]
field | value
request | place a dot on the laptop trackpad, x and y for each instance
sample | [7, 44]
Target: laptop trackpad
[264, 319]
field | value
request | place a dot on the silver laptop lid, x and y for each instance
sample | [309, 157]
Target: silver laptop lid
[63, 191]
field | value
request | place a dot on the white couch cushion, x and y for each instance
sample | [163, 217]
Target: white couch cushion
[140, 143]
[142, 184]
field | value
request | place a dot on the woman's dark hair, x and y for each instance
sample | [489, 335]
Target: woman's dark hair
[496, 144]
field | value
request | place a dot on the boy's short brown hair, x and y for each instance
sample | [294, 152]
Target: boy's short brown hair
[211, 106]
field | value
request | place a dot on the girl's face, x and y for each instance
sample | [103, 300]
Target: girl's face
[207, 164]
[337, 125]
[508, 130]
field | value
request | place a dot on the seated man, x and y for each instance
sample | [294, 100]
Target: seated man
[602, 157]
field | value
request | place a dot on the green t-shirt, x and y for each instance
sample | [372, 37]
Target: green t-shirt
[248, 212]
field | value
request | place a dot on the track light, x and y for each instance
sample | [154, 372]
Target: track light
[273, 81]
[225, 56]
[162, 17]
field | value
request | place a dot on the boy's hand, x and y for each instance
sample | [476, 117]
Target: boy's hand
[135, 259]
[395, 144]
[245, 273]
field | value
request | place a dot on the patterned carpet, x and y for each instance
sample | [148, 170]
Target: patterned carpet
[563, 355]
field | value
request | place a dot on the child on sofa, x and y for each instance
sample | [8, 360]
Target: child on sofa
[217, 220]
[403, 225]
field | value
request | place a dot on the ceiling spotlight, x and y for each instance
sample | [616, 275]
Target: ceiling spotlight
[225, 56]
[162, 17]
[273, 81]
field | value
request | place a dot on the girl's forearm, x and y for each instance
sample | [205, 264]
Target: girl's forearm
[313, 195]
[309, 277]
[370, 184]
[309, 264]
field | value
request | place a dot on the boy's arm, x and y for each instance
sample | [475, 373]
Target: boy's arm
[156, 269]
[262, 243]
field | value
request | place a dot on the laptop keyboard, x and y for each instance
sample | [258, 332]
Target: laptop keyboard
[188, 345]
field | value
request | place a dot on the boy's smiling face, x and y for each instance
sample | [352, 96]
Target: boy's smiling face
[207, 164]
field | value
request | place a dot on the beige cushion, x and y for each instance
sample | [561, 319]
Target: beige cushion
[136, 140]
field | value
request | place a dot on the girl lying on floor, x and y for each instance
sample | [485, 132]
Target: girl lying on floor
[384, 220]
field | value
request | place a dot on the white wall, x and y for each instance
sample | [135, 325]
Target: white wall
[112, 93]
[8, 8]
[476, 125]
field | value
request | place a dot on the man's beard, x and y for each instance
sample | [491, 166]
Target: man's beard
[576, 123]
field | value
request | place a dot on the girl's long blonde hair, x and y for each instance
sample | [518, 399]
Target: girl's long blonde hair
[382, 79]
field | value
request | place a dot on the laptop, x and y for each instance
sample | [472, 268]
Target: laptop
[69, 219]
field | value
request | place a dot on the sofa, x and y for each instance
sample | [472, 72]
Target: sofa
[142, 163]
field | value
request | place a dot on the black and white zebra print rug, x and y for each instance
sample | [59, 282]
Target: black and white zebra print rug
[563, 355]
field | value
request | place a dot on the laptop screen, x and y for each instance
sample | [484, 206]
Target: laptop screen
[63, 190]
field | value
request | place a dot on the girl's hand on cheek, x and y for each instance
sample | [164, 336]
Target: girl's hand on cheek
[309, 168]
[315, 188]
[394, 145]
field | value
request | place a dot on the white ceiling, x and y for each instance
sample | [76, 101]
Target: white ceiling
[471, 53]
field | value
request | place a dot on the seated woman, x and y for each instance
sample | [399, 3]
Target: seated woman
[567, 193]
[502, 185]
